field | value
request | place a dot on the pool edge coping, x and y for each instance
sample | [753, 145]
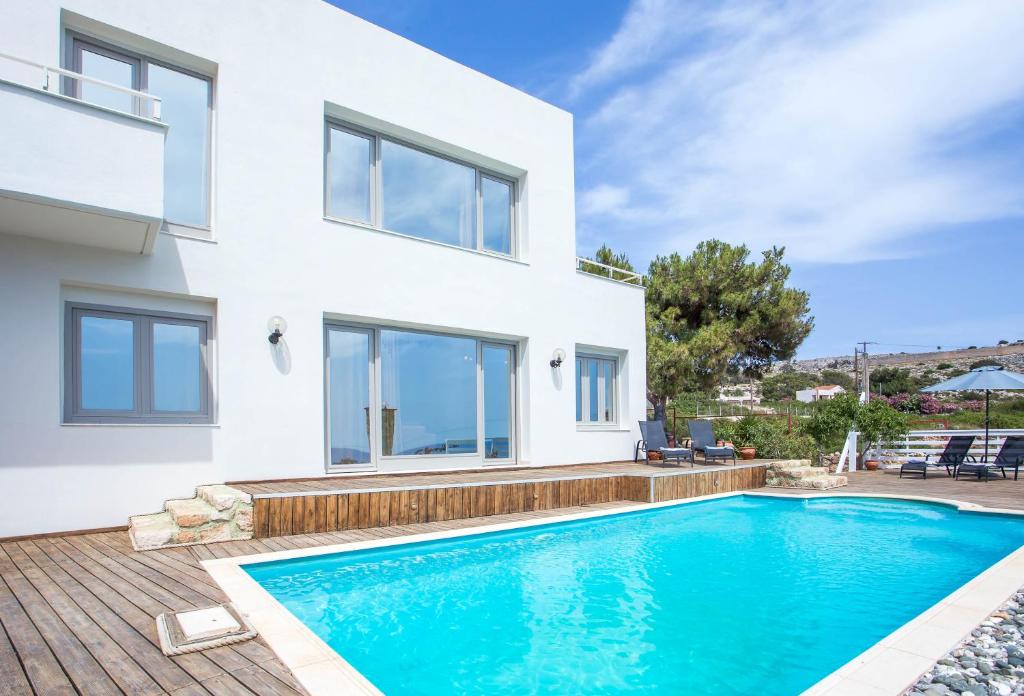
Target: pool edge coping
[890, 666]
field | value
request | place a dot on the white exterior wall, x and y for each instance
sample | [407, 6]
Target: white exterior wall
[278, 66]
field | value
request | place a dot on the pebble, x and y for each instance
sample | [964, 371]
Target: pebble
[989, 663]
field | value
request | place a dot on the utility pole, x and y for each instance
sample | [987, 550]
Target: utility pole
[856, 371]
[867, 374]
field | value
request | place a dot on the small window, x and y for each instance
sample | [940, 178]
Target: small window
[397, 187]
[596, 390]
[123, 366]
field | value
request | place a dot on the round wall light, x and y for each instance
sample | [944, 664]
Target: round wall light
[557, 358]
[276, 326]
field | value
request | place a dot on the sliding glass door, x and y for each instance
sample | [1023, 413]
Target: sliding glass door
[413, 399]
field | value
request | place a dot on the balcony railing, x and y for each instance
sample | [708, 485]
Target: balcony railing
[603, 270]
[148, 105]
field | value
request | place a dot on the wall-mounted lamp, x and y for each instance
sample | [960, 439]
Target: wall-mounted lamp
[557, 358]
[276, 326]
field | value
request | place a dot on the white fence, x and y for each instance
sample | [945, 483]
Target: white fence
[920, 443]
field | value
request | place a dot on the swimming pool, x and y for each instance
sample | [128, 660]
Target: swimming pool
[744, 594]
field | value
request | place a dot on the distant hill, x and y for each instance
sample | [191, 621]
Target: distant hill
[1010, 356]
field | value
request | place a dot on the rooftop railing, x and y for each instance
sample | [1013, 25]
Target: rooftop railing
[146, 105]
[603, 270]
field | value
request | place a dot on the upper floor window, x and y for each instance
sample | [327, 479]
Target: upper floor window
[185, 107]
[400, 188]
[596, 390]
[126, 366]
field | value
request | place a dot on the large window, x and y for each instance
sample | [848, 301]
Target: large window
[124, 366]
[596, 389]
[394, 393]
[185, 107]
[400, 188]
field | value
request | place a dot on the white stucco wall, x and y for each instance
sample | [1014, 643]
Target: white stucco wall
[278, 68]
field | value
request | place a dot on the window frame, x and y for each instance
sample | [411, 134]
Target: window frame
[76, 41]
[376, 217]
[583, 389]
[142, 369]
[377, 458]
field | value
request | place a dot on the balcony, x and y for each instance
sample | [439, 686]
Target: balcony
[75, 172]
[601, 270]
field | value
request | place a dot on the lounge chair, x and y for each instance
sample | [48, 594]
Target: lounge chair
[654, 440]
[952, 457]
[702, 436]
[1010, 456]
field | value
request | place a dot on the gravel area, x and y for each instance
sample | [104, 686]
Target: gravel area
[988, 663]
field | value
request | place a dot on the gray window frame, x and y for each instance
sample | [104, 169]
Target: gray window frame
[376, 398]
[584, 404]
[74, 43]
[142, 322]
[376, 189]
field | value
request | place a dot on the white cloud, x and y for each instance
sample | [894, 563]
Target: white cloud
[839, 129]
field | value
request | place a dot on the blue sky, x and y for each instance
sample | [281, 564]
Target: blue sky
[881, 143]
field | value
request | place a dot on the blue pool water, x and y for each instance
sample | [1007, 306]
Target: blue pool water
[742, 595]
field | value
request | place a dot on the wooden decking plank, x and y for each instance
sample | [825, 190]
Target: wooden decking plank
[262, 682]
[172, 581]
[131, 604]
[13, 677]
[78, 663]
[109, 655]
[95, 599]
[42, 668]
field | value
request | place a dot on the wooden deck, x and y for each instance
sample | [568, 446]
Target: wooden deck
[329, 504]
[997, 493]
[77, 614]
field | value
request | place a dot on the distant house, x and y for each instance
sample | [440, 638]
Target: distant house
[822, 391]
[738, 395]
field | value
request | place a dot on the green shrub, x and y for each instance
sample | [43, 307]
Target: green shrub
[769, 436]
[987, 362]
[944, 366]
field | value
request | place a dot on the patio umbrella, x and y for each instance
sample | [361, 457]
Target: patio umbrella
[988, 378]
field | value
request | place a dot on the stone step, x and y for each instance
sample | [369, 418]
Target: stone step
[821, 482]
[152, 531]
[222, 497]
[193, 512]
[216, 513]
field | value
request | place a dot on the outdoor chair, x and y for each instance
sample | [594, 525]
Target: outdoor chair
[1010, 456]
[702, 437]
[654, 440]
[952, 458]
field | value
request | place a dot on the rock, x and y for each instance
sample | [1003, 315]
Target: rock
[243, 518]
[190, 513]
[151, 531]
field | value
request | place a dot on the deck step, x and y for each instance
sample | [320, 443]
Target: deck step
[216, 513]
[798, 473]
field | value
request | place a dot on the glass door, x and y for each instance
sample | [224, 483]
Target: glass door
[498, 368]
[351, 425]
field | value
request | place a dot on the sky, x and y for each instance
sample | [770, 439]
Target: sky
[881, 143]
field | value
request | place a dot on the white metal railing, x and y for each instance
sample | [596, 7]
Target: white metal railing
[848, 457]
[52, 77]
[618, 274]
[920, 443]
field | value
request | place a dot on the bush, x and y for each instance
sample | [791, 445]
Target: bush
[984, 363]
[944, 366]
[770, 436]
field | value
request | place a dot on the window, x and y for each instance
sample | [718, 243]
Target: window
[596, 390]
[425, 394]
[123, 366]
[185, 107]
[400, 188]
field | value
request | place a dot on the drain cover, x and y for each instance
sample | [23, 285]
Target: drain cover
[201, 629]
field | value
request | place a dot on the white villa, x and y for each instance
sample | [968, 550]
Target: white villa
[819, 393]
[269, 240]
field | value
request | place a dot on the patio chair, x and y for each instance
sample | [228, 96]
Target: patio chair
[654, 440]
[702, 437]
[952, 457]
[1010, 456]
